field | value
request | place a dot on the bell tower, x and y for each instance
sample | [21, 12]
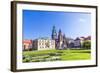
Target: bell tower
[54, 33]
[60, 40]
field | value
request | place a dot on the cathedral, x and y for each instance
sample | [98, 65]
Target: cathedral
[60, 39]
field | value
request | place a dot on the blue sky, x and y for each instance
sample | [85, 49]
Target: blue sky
[38, 24]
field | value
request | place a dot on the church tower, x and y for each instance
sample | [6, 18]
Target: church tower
[60, 40]
[65, 43]
[60, 37]
[54, 33]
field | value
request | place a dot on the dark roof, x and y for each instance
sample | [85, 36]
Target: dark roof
[77, 38]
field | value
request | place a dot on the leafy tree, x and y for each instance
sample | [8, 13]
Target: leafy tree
[86, 44]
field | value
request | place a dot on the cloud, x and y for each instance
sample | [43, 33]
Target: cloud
[82, 20]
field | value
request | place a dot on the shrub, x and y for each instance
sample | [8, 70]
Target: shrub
[86, 45]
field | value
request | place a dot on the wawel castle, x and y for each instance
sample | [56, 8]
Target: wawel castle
[57, 41]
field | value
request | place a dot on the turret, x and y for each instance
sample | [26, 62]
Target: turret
[54, 33]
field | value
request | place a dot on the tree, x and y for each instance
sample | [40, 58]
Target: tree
[86, 44]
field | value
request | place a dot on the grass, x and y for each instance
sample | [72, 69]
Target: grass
[52, 55]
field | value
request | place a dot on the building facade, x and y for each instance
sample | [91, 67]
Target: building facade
[43, 44]
[27, 44]
[77, 43]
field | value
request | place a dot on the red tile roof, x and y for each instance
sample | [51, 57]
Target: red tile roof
[27, 41]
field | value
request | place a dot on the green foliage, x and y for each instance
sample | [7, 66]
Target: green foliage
[54, 55]
[86, 45]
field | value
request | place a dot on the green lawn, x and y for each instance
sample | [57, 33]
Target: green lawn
[53, 55]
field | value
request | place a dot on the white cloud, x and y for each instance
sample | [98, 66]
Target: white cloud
[82, 20]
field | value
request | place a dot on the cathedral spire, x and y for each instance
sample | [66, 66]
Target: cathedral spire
[54, 33]
[60, 36]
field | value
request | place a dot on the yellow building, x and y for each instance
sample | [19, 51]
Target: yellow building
[43, 44]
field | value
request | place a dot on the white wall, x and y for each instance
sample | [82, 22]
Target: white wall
[5, 37]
